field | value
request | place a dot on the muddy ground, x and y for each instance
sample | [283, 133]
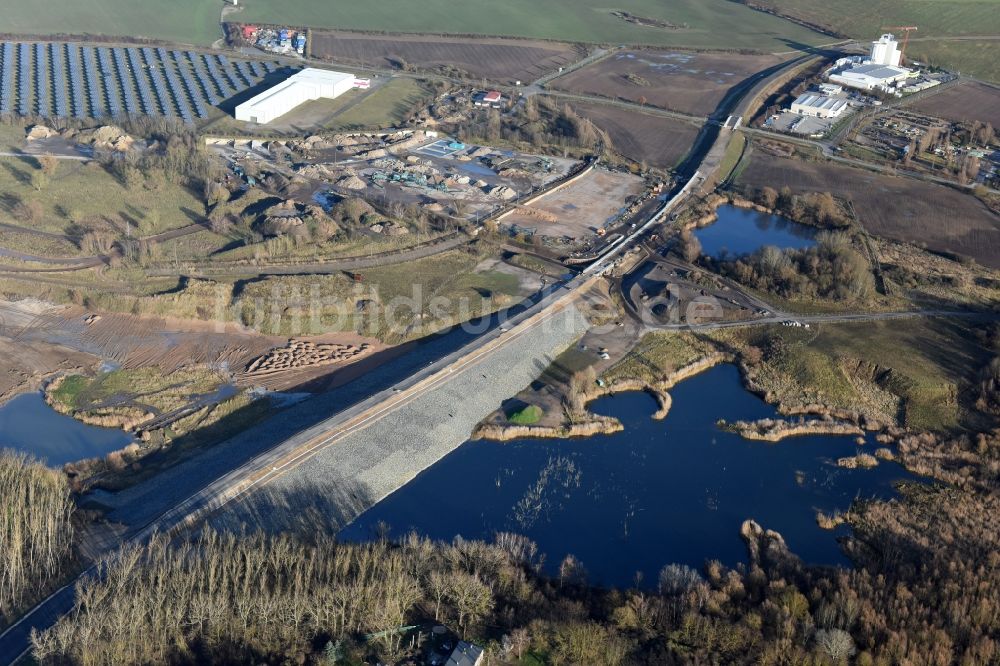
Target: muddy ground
[964, 102]
[692, 83]
[38, 339]
[580, 209]
[498, 60]
[642, 137]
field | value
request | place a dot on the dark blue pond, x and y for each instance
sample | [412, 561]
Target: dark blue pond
[741, 231]
[28, 424]
[662, 491]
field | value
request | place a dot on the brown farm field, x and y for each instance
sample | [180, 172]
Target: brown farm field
[642, 137]
[964, 102]
[499, 60]
[938, 217]
[678, 81]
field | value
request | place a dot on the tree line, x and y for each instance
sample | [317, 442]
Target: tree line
[924, 591]
[36, 530]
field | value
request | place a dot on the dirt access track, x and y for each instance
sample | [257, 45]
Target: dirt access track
[962, 103]
[642, 137]
[581, 208]
[498, 60]
[938, 217]
[679, 81]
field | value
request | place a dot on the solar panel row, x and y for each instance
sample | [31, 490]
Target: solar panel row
[7, 78]
[76, 85]
[24, 67]
[41, 84]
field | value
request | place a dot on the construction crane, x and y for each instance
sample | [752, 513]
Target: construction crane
[907, 29]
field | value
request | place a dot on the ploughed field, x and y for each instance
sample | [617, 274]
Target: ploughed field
[966, 101]
[935, 216]
[505, 61]
[658, 141]
[692, 83]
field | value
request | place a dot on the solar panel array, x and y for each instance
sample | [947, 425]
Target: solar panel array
[65, 79]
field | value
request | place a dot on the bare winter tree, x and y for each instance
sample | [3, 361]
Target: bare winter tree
[837, 643]
[36, 534]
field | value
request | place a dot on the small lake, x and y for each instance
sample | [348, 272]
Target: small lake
[666, 491]
[29, 425]
[742, 231]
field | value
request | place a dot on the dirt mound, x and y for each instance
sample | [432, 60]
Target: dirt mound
[501, 192]
[352, 182]
[40, 132]
[107, 136]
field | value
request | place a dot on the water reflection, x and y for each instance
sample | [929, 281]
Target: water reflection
[662, 491]
[741, 231]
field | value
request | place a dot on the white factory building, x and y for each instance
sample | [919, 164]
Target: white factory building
[879, 71]
[304, 86]
[819, 106]
[871, 76]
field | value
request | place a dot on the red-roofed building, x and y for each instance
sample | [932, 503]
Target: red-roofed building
[492, 98]
[248, 31]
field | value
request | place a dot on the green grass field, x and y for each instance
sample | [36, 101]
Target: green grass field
[529, 415]
[865, 19]
[70, 192]
[700, 23]
[925, 364]
[183, 21]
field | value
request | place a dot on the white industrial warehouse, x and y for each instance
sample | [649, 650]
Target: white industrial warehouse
[871, 76]
[307, 85]
[819, 106]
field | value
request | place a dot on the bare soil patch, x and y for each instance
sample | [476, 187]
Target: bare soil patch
[937, 217]
[642, 137]
[499, 60]
[580, 209]
[52, 338]
[25, 365]
[964, 102]
[692, 83]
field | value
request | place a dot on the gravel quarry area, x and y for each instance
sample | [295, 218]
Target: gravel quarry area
[333, 487]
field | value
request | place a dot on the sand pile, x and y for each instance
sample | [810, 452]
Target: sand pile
[40, 132]
[352, 182]
[501, 192]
